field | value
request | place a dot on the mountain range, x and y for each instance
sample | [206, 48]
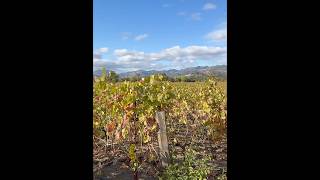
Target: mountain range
[219, 71]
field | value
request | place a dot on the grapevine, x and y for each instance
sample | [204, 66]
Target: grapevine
[123, 114]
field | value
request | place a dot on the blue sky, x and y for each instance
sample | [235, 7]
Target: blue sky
[158, 34]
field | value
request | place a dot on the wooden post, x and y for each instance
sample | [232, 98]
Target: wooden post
[162, 138]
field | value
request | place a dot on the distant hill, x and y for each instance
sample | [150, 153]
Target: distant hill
[218, 71]
[99, 72]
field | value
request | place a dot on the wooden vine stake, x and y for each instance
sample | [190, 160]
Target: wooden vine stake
[162, 138]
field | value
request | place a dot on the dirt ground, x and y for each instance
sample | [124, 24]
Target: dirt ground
[119, 169]
[117, 164]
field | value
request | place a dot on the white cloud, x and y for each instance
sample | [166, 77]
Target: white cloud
[129, 35]
[104, 50]
[101, 50]
[177, 57]
[217, 35]
[196, 16]
[125, 35]
[175, 53]
[209, 6]
[98, 53]
[97, 56]
[119, 66]
[141, 37]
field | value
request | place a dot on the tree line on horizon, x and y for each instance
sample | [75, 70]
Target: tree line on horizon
[113, 77]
